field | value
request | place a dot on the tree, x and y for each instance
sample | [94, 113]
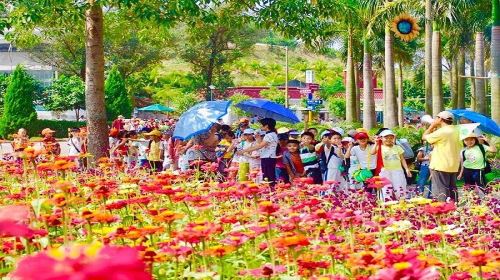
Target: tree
[19, 111]
[237, 98]
[211, 45]
[428, 56]
[495, 61]
[274, 95]
[117, 99]
[481, 106]
[66, 93]
[25, 14]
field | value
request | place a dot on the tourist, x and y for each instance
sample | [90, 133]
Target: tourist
[119, 123]
[394, 163]
[281, 172]
[422, 162]
[50, 145]
[75, 145]
[292, 160]
[132, 157]
[246, 161]
[268, 148]
[225, 151]
[360, 157]
[331, 158]
[166, 135]
[474, 161]
[155, 153]
[20, 142]
[445, 161]
[309, 157]
[243, 124]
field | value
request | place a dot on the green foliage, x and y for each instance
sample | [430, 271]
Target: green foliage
[117, 99]
[211, 45]
[65, 93]
[274, 94]
[237, 98]
[187, 101]
[18, 103]
[336, 106]
[4, 83]
[274, 39]
[330, 89]
[414, 95]
[413, 135]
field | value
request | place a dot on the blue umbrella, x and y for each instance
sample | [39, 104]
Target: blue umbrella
[200, 118]
[485, 124]
[268, 109]
[156, 108]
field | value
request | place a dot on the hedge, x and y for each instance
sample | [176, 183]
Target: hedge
[61, 127]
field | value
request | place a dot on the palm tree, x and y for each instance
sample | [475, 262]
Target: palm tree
[391, 117]
[437, 73]
[480, 73]
[495, 61]
[428, 56]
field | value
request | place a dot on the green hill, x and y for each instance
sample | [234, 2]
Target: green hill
[265, 66]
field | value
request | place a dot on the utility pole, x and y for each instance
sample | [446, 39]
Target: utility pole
[286, 77]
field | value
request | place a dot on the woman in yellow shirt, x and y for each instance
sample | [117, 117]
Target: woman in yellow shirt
[155, 152]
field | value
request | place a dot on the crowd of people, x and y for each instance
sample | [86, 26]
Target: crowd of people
[345, 160]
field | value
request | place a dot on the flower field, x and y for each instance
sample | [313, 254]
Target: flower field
[106, 224]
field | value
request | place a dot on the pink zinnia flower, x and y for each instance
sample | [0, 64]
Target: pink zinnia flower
[83, 263]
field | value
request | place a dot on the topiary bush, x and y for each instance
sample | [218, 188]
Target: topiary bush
[19, 110]
[117, 100]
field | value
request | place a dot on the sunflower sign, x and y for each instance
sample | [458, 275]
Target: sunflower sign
[405, 27]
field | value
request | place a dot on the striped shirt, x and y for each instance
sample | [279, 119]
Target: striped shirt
[309, 158]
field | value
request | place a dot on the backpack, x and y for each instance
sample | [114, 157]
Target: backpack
[487, 167]
[407, 150]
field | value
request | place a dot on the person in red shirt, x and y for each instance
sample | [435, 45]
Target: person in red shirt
[119, 123]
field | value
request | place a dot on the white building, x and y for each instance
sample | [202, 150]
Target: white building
[10, 57]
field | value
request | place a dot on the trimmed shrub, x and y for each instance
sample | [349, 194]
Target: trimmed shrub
[61, 127]
[117, 100]
[19, 110]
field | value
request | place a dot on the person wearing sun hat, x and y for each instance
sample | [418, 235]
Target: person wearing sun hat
[445, 160]
[474, 164]
[361, 159]
[394, 165]
[50, 145]
[154, 151]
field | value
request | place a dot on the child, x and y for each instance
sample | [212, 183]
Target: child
[281, 172]
[20, 142]
[360, 155]
[474, 161]
[423, 160]
[331, 157]
[292, 160]
[225, 150]
[267, 147]
[247, 161]
[50, 144]
[75, 145]
[393, 159]
[309, 158]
